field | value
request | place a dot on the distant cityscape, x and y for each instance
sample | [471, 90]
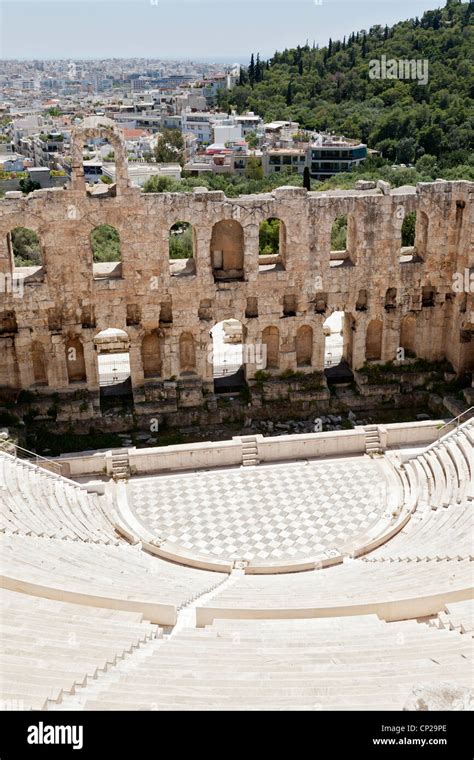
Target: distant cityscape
[156, 104]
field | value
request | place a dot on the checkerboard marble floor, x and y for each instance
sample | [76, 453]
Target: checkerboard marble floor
[284, 511]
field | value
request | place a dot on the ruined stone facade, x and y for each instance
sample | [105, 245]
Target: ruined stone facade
[48, 333]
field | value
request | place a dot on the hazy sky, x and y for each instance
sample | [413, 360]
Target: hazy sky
[229, 29]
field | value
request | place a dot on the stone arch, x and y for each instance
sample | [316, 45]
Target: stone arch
[271, 341]
[304, 346]
[187, 352]
[181, 249]
[373, 340]
[408, 333]
[227, 250]
[38, 361]
[151, 355]
[75, 362]
[92, 127]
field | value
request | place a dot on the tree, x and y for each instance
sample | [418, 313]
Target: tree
[289, 94]
[252, 71]
[258, 70]
[27, 185]
[306, 179]
[105, 243]
[300, 67]
[170, 147]
[254, 169]
[26, 247]
[408, 229]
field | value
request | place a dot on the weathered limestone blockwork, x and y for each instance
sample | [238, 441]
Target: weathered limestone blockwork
[168, 318]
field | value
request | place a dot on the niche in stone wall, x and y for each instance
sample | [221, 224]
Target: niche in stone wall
[166, 312]
[134, 314]
[408, 334]
[76, 366]
[320, 303]
[251, 310]
[362, 301]
[205, 310]
[271, 341]
[88, 317]
[427, 296]
[187, 353]
[8, 323]
[304, 346]
[391, 299]
[290, 306]
[373, 340]
[38, 361]
[151, 355]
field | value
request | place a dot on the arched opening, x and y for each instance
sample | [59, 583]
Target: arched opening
[227, 250]
[272, 245]
[304, 346]
[408, 335]
[228, 355]
[38, 360]
[98, 158]
[151, 355]
[106, 252]
[342, 240]
[181, 250]
[26, 253]
[333, 331]
[271, 341]
[113, 364]
[373, 340]
[76, 366]
[187, 353]
[421, 235]
[408, 252]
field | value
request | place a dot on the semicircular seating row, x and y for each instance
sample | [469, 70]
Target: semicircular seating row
[94, 589]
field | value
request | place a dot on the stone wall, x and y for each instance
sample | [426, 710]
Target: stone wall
[167, 318]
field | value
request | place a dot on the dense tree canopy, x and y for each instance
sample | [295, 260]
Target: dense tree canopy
[329, 89]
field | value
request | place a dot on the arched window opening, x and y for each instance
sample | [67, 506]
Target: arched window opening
[333, 330]
[106, 252]
[272, 245]
[342, 240]
[26, 253]
[227, 250]
[113, 365]
[228, 355]
[181, 250]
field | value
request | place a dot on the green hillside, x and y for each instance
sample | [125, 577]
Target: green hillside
[330, 89]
